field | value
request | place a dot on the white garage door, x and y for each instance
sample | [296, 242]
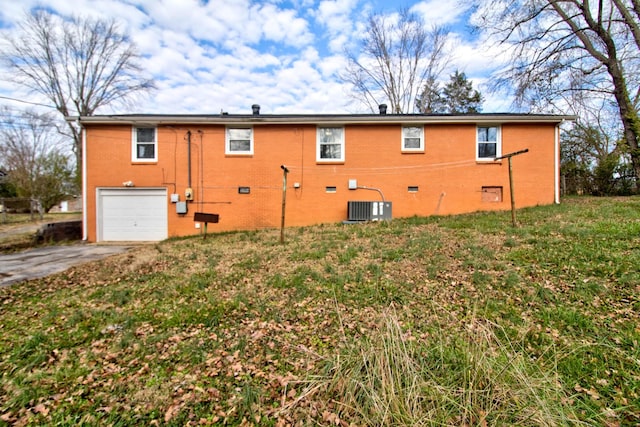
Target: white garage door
[132, 214]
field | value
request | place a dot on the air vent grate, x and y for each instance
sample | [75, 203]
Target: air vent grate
[368, 211]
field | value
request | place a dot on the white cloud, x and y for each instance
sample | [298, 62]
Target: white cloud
[475, 57]
[283, 26]
[438, 12]
[283, 55]
[330, 66]
[334, 14]
[336, 17]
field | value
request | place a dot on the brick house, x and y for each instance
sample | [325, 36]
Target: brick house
[145, 176]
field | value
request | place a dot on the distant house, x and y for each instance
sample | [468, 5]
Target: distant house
[146, 175]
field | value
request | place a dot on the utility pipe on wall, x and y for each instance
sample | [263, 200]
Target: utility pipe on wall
[362, 187]
[189, 158]
[556, 164]
[188, 194]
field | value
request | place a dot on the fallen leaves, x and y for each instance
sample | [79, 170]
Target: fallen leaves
[200, 332]
[41, 409]
[591, 392]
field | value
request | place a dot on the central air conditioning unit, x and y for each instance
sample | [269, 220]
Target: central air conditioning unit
[368, 211]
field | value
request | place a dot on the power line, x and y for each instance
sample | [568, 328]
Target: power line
[26, 125]
[27, 102]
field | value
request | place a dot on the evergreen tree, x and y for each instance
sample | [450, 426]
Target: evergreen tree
[430, 100]
[456, 97]
[460, 97]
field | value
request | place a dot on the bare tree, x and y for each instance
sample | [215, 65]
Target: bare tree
[33, 152]
[79, 65]
[560, 47]
[397, 56]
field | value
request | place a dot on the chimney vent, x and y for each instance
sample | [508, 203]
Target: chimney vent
[256, 109]
[383, 108]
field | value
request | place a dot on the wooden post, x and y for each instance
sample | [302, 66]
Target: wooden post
[284, 200]
[513, 200]
[511, 189]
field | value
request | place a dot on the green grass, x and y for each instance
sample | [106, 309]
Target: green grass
[456, 320]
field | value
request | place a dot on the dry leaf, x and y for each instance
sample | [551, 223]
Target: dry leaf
[41, 409]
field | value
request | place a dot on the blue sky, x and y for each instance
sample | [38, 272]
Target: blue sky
[210, 56]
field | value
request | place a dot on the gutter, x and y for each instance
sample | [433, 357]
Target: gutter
[320, 119]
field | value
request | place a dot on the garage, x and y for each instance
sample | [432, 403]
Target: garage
[132, 214]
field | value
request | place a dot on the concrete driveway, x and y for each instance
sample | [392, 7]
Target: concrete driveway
[43, 261]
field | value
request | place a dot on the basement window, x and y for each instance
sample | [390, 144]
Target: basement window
[330, 189]
[491, 194]
[144, 145]
[239, 141]
[412, 189]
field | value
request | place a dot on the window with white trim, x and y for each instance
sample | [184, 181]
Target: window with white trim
[412, 138]
[239, 141]
[488, 144]
[144, 145]
[330, 144]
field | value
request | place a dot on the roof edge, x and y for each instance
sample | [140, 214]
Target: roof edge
[230, 119]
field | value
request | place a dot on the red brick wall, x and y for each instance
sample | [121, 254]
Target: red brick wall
[448, 178]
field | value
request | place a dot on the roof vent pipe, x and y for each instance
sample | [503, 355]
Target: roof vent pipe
[383, 108]
[256, 109]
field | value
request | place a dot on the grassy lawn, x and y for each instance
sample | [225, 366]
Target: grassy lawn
[458, 320]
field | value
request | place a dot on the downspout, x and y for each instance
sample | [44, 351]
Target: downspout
[556, 164]
[201, 170]
[85, 234]
[189, 158]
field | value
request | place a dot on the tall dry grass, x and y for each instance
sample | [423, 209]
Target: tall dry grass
[467, 377]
